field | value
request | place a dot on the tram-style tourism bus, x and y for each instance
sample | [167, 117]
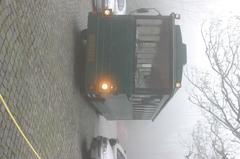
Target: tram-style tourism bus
[134, 63]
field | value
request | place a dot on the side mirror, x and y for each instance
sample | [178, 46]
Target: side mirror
[142, 10]
[145, 10]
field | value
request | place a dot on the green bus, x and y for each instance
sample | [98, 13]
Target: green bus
[134, 63]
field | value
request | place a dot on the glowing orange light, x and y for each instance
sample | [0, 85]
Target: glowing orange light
[104, 86]
[107, 12]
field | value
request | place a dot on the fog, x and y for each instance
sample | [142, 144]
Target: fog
[164, 138]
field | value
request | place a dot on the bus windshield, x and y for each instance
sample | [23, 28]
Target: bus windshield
[153, 62]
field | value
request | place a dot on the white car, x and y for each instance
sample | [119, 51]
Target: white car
[118, 151]
[118, 7]
[104, 148]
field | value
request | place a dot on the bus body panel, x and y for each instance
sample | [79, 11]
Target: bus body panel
[110, 51]
[116, 50]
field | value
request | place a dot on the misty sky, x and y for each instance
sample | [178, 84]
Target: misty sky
[162, 139]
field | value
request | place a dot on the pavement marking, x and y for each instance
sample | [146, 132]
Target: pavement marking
[18, 127]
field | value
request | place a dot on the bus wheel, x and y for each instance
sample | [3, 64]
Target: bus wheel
[84, 36]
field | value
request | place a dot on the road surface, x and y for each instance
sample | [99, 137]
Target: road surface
[40, 79]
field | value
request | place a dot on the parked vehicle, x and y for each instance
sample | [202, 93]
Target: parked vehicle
[117, 7]
[101, 148]
[104, 148]
[118, 151]
[134, 63]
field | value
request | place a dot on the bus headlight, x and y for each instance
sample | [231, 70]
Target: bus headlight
[178, 84]
[106, 87]
[107, 12]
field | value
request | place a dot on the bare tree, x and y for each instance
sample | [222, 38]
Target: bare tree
[217, 91]
[208, 143]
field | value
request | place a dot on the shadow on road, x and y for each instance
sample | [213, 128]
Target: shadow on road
[85, 152]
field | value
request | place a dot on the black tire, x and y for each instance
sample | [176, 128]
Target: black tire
[84, 38]
[84, 34]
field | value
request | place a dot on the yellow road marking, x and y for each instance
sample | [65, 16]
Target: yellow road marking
[18, 127]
